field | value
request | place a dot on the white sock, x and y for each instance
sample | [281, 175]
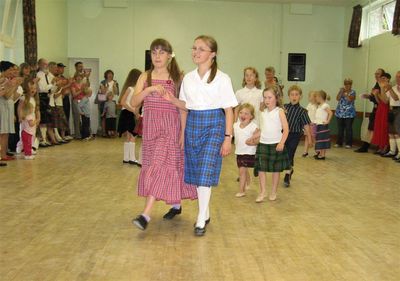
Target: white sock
[176, 206]
[204, 195]
[398, 146]
[43, 131]
[392, 143]
[126, 151]
[208, 212]
[132, 156]
[57, 134]
[35, 142]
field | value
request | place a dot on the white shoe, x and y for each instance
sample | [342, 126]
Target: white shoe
[348, 146]
[34, 152]
[30, 157]
[68, 138]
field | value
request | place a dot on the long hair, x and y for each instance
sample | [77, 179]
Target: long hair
[173, 69]
[212, 44]
[275, 91]
[27, 109]
[130, 81]
[257, 83]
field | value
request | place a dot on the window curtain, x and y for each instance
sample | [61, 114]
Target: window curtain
[396, 19]
[30, 38]
[354, 33]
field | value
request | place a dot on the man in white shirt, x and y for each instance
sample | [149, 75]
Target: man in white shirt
[44, 88]
[58, 121]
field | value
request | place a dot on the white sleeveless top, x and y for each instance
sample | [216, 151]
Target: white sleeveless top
[129, 97]
[270, 126]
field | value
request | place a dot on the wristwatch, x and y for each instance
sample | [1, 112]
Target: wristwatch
[227, 135]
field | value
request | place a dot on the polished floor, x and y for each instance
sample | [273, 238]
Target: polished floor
[67, 216]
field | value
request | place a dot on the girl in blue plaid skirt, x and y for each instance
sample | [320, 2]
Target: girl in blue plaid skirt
[206, 99]
[271, 154]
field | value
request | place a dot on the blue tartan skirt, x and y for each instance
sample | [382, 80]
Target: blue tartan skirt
[204, 135]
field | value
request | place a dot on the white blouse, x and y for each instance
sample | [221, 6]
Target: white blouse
[321, 115]
[270, 126]
[241, 136]
[200, 95]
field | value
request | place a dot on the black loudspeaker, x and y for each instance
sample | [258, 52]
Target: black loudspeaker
[147, 60]
[296, 67]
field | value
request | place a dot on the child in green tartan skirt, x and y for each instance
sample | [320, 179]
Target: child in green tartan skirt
[271, 154]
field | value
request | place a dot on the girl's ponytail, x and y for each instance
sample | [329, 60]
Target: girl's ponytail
[175, 73]
[214, 68]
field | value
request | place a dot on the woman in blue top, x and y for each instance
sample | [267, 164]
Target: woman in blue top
[345, 113]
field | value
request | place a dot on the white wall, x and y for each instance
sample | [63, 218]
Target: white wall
[249, 34]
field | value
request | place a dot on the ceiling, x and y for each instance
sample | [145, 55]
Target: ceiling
[316, 2]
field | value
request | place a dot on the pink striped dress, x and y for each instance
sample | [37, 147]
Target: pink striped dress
[162, 169]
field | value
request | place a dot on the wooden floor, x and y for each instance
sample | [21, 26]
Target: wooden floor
[67, 216]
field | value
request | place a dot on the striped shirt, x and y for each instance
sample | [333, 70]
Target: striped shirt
[297, 117]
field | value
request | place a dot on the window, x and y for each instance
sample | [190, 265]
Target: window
[377, 18]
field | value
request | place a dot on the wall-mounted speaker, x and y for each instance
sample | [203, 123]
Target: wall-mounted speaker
[147, 60]
[296, 67]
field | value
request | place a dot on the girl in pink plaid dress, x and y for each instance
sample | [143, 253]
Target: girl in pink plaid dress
[161, 176]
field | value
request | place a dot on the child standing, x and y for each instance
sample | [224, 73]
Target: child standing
[110, 114]
[323, 116]
[251, 92]
[208, 95]
[161, 176]
[126, 121]
[271, 154]
[28, 126]
[245, 154]
[84, 111]
[298, 121]
[311, 110]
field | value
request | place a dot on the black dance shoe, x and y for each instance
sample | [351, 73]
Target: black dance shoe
[140, 222]
[198, 231]
[286, 180]
[172, 213]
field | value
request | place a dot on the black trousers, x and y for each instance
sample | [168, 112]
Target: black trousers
[13, 139]
[67, 107]
[291, 145]
[345, 127]
[85, 129]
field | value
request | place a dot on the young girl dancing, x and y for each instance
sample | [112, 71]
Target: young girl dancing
[271, 154]
[323, 116]
[126, 121]
[161, 176]
[245, 154]
[208, 96]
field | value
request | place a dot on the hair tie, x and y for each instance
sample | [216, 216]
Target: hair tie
[172, 55]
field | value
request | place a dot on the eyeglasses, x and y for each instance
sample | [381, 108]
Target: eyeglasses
[200, 50]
